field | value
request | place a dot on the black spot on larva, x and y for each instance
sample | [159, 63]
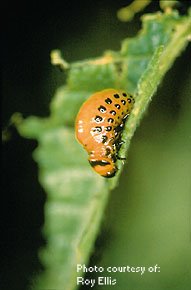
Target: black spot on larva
[129, 100]
[108, 101]
[119, 143]
[126, 116]
[116, 96]
[98, 119]
[117, 106]
[119, 128]
[104, 139]
[108, 128]
[123, 102]
[97, 129]
[110, 120]
[124, 94]
[110, 174]
[94, 163]
[102, 109]
[114, 157]
[108, 151]
[113, 112]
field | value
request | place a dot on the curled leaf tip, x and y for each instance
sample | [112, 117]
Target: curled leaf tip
[57, 60]
[127, 13]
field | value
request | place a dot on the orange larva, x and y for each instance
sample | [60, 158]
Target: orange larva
[99, 124]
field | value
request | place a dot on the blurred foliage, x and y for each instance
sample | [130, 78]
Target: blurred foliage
[148, 221]
[76, 196]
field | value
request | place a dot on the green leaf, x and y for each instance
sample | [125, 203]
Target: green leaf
[76, 196]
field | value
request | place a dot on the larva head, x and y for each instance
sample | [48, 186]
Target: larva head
[103, 166]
